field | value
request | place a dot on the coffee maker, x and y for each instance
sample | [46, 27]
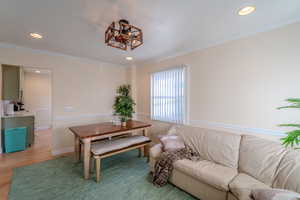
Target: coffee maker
[18, 106]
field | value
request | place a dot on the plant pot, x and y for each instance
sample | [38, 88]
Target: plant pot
[123, 124]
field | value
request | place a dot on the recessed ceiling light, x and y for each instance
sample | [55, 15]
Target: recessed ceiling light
[129, 58]
[37, 71]
[36, 36]
[247, 10]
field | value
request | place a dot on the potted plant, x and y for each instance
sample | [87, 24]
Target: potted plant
[293, 137]
[124, 104]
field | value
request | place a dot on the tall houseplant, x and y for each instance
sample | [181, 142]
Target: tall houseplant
[124, 104]
[293, 137]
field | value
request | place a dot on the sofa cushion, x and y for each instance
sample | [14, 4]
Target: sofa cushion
[288, 173]
[215, 175]
[242, 185]
[274, 194]
[213, 145]
[105, 146]
[260, 158]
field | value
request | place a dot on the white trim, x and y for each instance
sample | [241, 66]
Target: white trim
[59, 118]
[229, 126]
[40, 128]
[62, 151]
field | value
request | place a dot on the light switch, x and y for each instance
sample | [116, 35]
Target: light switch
[69, 108]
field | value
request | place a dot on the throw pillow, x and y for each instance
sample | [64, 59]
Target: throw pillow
[274, 194]
[171, 143]
[172, 130]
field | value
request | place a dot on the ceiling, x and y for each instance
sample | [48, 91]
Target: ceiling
[171, 27]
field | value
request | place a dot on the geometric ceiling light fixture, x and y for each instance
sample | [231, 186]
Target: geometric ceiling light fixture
[124, 36]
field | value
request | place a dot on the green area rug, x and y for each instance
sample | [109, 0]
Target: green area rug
[123, 176]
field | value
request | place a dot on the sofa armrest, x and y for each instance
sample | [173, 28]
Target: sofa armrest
[158, 129]
[155, 151]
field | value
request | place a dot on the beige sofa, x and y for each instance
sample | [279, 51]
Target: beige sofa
[231, 165]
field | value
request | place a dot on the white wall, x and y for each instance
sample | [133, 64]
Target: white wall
[82, 90]
[238, 84]
[37, 97]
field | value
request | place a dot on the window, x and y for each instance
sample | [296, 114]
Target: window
[168, 95]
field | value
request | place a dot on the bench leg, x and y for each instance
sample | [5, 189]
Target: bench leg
[92, 164]
[80, 152]
[146, 152]
[98, 168]
[141, 151]
[147, 147]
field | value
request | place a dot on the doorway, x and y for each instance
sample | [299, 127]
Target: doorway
[37, 96]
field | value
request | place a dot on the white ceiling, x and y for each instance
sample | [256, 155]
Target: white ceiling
[171, 27]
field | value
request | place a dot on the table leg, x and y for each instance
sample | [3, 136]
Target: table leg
[77, 148]
[147, 147]
[86, 157]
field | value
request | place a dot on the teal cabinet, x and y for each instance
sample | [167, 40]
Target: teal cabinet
[10, 82]
[14, 139]
[16, 122]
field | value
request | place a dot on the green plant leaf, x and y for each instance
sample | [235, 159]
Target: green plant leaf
[291, 139]
[290, 125]
[293, 100]
[124, 104]
[295, 103]
[293, 106]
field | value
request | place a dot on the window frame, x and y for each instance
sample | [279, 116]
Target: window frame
[186, 107]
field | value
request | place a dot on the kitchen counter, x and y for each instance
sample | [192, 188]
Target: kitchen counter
[19, 114]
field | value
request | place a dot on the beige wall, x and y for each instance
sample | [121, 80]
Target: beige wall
[82, 89]
[238, 84]
[37, 97]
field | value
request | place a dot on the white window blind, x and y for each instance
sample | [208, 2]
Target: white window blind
[168, 95]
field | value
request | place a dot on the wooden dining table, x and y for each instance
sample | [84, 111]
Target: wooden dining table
[86, 134]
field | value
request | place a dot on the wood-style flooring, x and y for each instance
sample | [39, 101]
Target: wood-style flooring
[39, 152]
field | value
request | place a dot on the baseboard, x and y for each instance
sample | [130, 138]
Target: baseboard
[62, 151]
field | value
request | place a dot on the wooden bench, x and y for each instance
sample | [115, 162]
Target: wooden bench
[106, 148]
[95, 141]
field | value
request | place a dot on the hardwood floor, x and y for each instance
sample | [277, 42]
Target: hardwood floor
[39, 152]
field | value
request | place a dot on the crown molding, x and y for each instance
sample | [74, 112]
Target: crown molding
[51, 53]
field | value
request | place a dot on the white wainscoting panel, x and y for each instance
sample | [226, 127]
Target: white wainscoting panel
[235, 128]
